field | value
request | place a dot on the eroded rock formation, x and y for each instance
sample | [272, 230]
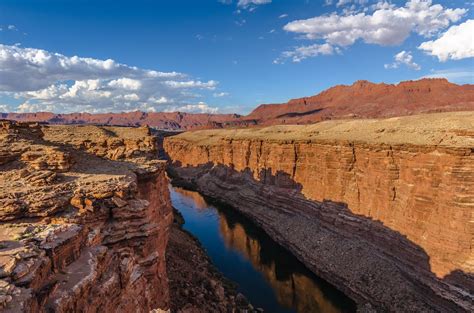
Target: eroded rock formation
[380, 208]
[79, 231]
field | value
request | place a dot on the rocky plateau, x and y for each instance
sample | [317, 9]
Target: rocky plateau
[381, 208]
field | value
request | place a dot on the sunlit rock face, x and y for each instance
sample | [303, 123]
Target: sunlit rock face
[401, 187]
[80, 232]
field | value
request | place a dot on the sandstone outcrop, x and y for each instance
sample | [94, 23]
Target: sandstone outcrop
[363, 99]
[80, 231]
[380, 208]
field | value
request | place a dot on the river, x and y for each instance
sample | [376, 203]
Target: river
[268, 275]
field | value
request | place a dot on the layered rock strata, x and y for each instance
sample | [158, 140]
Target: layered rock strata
[380, 208]
[79, 231]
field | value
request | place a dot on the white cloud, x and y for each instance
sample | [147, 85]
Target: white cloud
[220, 94]
[126, 83]
[23, 69]
[303, 52]
[456, 43]
[8, 27]
[247, 3]
[47, 81]
[131, 97]
[386, 25]
[283, 15]
[405, 58]
[201, 107]
[340, 3]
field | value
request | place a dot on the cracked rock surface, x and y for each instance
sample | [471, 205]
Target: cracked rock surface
[84, 219]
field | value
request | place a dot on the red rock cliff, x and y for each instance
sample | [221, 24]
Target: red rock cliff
[81, 233]
[382, 208]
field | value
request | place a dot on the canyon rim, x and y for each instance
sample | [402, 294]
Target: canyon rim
[236, 156]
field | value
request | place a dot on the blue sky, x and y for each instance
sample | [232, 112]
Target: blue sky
[233, 55]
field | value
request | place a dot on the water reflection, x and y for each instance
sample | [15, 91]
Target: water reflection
[266, 273]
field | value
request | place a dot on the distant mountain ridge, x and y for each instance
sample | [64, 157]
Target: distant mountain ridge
[362, 99]
[161, 120]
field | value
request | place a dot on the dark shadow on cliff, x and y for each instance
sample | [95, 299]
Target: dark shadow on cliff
[387, 243]
[299, 114]
[160, 136]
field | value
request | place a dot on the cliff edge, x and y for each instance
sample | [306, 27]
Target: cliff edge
[84, 217]
[381, 208]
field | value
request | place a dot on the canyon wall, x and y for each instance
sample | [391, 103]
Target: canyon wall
[380, 208]
[80, 231]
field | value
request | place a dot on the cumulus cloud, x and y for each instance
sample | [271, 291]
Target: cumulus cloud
[303, 52]
[386, 25]
[47, 81]
[455, 44]
[403, 58]
[23, 69]
[201, 107]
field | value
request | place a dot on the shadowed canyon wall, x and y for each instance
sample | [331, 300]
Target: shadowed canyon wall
[79, 231]
[380, 207]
